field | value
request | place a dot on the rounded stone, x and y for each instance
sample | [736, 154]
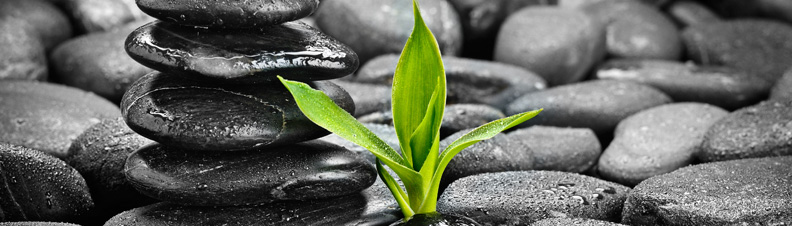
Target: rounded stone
[599, 105]
[38, 187]
[760, 130]
[783, 88]
[764, 53]
[98, 63]
[228, 14]
[689, 13]
[368, 98]
[303, 171]
[468, 80]
[523, 197]
[574, 222]
[99, 154]
[293, 50]
[560, 149]
[776, 9]
[559, 44]
[207, 116]
[377, 27]
[636, 30]
[91, 16]
[498, 154]
[657, 141]
[43, 19]
[48, 117]
[459, 117]
[739, 192]
[24, 57]
[385, 132]
[724, 87]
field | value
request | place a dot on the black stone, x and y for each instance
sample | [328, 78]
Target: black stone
[38, 187]
[436, 219]
[293, 50]
[368, 98]
[573, 222]
[35, 223]
[228, 14]
[304, 171]
[206, 116]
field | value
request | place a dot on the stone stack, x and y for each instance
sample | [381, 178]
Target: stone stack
[228, 132]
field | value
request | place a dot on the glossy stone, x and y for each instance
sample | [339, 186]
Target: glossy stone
[497, 154]
[724, 43]
[436, 219]
[657, 141]
[782, 90]
[208, 116]
[468, 80]
[523, 197]
[559, 44]
[35, 223]
[739, 192]
[102, 15]
[760, 130]
[43, 19]
[48, 117]
[98, 63]
[293, 50]
[303, 171]
[38, 187]
[373, 206]
[560, 149]
[725, 87]
[24, 57]
[467, 116]
[377, 27]
[228, 14]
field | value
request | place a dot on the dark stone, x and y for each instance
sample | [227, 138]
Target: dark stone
[303, 171]
[48, 117]
[293, 50]
[228, 14]
[559, 44]
[208, 116]
[498, 154]
[520, 198]
[368, 98]
[657, 141]
[385, 132]
[35, 223]
[41, 18]
[98, 63]
[373, 206]
[777, 9]
[765, 53]
[103, 15]
[573, 222]
[467, 116]
[23, 56]
[436, 219]
[725, 87]
[38, 187]
[468, 80]
[761, 130]
[380, 117]
[561, 149]
[783, 87]
[598, 105]
[99, 155]
[636, 30]
[377, 27]
[740, 192]
[689, 13]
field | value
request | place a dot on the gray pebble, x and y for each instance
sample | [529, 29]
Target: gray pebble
[783, 88]
[561, 149]
[498, 154]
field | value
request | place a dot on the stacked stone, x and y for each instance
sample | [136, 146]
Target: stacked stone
[228, 132]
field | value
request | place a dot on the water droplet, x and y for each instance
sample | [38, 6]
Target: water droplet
[201, 187]
[580, 199]
[48, 198]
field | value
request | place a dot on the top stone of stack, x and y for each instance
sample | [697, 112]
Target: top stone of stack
[228, 14]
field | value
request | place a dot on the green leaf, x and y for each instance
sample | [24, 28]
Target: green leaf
[429, 130]
[398, 193]
[419, 76]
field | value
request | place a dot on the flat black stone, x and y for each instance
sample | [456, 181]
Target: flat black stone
[293, 50]
[304, 171]
[436, 219]
[228, 14]
[204, 116]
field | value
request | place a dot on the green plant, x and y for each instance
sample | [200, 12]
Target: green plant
[418, 101]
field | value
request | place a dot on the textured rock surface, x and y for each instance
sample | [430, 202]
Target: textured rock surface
[740, 192]
[208, 116]
[436, 219]
[41, 18]
[38, 187]
[657, 141]
[573, 222]
[783, 88]
[304, 171]
[689, 13]
[560, 149]
[293, 50]
[102, 15]
[228, 14]
[498, 154]
[23, 54]
[368, 98]
[48, 117]
[518, 198]
[761, 130]
[35, 223]
[467, 116]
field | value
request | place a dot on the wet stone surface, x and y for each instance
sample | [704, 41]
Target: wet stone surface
[35, 223]
[207, 116]
[293, 50]
[560, 149]
[48, 117]
[368, 98]
[467, 116]
[760, 130]
[35, 186]
[498, 154]
[725, 87]
[385, 132]
[303, 171]
[518, 198]
[436, 219]
[228, 14]
[739, 192]
[573, 222]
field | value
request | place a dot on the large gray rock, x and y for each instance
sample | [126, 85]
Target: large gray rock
[739, 192]
[561, 149]
[519, 198]
[498, 154]
[368, 98]
[23, 55]
[457, 117]
[102, 15]
[42, 19]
